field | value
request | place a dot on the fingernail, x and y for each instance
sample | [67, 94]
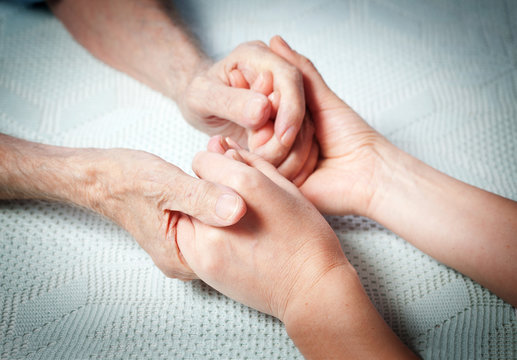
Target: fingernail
[254, 109]
[232, 143]
[227, 206]
[223, 143]
[288, 137]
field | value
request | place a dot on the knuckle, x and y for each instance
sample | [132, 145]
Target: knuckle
[198, 195]
[246, 180]
[257, 43]
[294, 73]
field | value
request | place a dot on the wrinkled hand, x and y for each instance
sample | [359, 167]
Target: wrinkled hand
[251, 95]
[276, 253]
[143, 194]
[346, 175]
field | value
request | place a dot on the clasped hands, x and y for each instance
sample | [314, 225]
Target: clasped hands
[262, 259]
[282, 246]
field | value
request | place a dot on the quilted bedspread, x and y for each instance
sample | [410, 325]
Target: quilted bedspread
[438, 78]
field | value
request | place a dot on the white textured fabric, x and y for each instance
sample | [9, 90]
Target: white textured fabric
[438, 78]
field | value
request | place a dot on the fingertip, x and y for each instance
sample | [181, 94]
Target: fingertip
[257, 111]
[229, 208]
[232, 144]
[197, 160]
[277, 40]
[288, 121]
[237, 79]
[308, 167]
[217, 144]
[274, 99]
[233, 154]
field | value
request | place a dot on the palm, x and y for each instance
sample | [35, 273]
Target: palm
[347, 163]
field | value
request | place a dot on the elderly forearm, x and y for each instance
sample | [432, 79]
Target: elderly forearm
[462, 226]
[30, 170]
[139, 37]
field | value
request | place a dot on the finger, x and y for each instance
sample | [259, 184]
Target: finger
[217, 144]
[229, 141]
[274, 99]
[264, 83]
[316, 91]
[269, 170]
[246, 108]
[309, 165]
[237, 79]
[233, 154]
[211, 203]
[259, 137]
[300, 151]
[272, 150]
[291, 109]
[218, 168]
[221, 169]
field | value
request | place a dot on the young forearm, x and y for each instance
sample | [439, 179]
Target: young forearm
[462, 226]
[336, 320]
[139, 37]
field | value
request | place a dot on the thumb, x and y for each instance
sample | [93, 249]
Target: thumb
[246, 108]
[211, 203]
[316, 90]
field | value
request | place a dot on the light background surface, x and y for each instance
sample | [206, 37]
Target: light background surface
[438, 78]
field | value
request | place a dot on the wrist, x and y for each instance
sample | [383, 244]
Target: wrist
[177, 82]
[186, 93]
[337, 320]
[307, 308]
[392, 166]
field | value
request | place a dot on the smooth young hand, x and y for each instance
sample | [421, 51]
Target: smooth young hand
[346, 175]
[283, 259]
[270, 257]
[460, 225]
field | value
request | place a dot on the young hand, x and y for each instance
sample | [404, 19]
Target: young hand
[347, 172]
[283, 259]
[276, 253]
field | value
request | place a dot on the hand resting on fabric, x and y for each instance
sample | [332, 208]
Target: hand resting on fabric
[283, 259]
[361, 172]
[137, 190]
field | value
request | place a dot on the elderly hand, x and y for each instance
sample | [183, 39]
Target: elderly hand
[239, 97]
[139, 191]
[143, 194]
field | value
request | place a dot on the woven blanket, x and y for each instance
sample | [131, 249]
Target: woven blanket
[438, 78]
